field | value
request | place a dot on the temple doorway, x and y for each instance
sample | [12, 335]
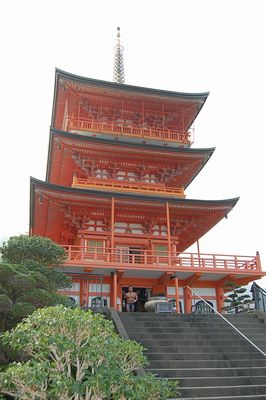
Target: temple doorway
[143, 295]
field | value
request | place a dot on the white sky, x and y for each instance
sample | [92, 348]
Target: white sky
[180, 45]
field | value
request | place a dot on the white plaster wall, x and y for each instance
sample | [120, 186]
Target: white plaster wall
[205, 291]
[96, 288]
[171, 290]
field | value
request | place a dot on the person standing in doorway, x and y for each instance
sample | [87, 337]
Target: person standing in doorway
[131, 298]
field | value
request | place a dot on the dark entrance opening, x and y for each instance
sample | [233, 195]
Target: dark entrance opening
[135, 255]
[143, 295]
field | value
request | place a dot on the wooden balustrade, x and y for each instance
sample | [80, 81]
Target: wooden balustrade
[145, 258]
[127, 186]
[111, 128]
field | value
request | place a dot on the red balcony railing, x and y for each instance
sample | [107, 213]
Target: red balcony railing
[98, 256]
[114, 129]
[126, 186]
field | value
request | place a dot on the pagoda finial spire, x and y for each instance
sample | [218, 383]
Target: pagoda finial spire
[119, 73]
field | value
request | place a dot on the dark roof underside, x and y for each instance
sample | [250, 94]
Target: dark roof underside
[130, 88]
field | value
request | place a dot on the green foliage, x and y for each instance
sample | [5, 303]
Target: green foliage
[26, 249]
[29, 277]
[5, 304]
[77, 355]
[39, 254]
[237, 299]
[22, 291]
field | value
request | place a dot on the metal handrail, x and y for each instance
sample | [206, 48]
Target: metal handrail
[228, 322]
[259, 296]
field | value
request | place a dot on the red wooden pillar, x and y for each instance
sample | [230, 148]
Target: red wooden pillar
[187, 300]
[168, 233]
[177, 295]
[84, 293]
[220, 298]
[114, 290]
[258, 261]
[112, 241]
[113, 224]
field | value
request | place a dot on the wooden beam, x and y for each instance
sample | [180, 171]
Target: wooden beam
[193, 279]
[88, 269]
[223, 281]
[198, 247]
[245, 281]
[164, 278]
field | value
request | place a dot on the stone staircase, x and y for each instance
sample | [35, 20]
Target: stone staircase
[210, 359]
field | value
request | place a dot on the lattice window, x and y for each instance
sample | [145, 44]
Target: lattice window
[95, 246]
[126, 176]
[150, 178]
[101, 173]
[124, 227]
[159, 230]
[95, 226]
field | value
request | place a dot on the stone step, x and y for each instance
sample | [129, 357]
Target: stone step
[201, 356]
[187, 325]
[200, 341]
[155, 348]
[242, 397]
[212, 380]
[193, 320]
[209, 363]
[181, 329]
[212, 391]
[195, 336]
[204, 353]
[207, 372]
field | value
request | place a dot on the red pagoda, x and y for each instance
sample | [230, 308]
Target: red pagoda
[119, 161]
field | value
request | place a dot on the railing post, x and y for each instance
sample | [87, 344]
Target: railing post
[258, 261]
[192, 260]
[145, 257]
[187, 300]
[83, 249]
[214, 261]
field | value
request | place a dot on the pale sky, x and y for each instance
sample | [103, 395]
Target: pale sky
[179, 45]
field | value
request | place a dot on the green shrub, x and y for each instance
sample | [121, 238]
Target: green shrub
[77, 355]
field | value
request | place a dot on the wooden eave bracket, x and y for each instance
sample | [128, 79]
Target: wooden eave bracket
[193, 279]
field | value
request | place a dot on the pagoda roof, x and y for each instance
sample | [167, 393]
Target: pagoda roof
[228, 203]
[131, 88]
[104, 87]
[83, 141]
[199, 215]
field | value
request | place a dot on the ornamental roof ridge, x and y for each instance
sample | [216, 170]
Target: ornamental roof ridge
[131, 88]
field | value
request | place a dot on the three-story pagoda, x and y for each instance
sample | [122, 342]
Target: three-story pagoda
[119, 162]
